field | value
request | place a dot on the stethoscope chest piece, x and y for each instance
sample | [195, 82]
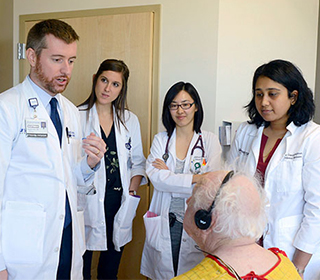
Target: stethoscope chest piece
[165, 157]
[197, 161]
[195, 164]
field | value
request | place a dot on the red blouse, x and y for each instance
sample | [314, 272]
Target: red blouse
[262, 165]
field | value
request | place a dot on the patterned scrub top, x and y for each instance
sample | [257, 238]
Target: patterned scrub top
[112, 201]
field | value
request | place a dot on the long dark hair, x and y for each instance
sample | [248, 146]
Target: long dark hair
[167, 120]
[288, 75]
[120, 103]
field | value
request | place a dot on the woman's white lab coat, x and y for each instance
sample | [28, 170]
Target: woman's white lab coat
[156, 260]
[95, 226]
[292, 183]
[35, 174]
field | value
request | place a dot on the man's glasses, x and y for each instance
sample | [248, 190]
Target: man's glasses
[184, 106]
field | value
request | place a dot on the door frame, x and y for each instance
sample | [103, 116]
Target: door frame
[155, 9]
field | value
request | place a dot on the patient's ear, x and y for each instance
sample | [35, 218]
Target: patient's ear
[204, 236]
[213, 222]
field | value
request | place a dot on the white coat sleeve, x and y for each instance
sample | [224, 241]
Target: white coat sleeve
[84, 174]
[166, 180]
[138, 159]
[307, 238]
[9, 130]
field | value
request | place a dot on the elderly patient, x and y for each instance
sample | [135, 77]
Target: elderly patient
[225, 217]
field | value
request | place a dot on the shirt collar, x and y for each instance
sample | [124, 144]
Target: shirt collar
[42, 94]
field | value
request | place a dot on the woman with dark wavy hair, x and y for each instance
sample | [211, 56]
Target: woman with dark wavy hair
[280, 144]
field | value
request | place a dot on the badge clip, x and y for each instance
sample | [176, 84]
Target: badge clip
[33, 102]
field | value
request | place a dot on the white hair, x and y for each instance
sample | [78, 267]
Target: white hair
[235, 216]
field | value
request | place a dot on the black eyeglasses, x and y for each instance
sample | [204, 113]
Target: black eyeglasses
[184, 106]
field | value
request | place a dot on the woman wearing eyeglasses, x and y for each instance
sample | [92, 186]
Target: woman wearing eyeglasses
[177, 159]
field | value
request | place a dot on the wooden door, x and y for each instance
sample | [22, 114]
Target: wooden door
[129, 37]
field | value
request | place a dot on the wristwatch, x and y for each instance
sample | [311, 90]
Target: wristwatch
[132, 192]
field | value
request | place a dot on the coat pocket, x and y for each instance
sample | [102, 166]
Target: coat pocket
[133, 202]
[288, 228]
[291, 170]
[127, 219]
[153, 230]
[23, 230]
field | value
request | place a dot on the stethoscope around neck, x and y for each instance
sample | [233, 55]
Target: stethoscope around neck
[196, 163]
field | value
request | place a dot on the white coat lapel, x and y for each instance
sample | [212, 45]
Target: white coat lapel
[281, 150]
[41, 111]
[171, 150]
[29, 93]
[94, 119]
[255, 147]
[66, 122]
[121, 136]
[277, 156]
[188, 157]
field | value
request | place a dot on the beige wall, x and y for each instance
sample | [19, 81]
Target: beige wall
[215, 44]
[6, 44]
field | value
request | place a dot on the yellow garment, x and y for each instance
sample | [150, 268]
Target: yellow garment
[210, 269]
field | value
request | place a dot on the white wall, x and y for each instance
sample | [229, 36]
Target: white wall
[215, 44]
[253, 32]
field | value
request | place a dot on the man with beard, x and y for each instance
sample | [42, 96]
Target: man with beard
[41, 232]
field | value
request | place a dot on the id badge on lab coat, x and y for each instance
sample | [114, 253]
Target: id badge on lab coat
[36, 128]
[196, 164]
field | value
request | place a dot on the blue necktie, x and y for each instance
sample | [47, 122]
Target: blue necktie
[54, 115]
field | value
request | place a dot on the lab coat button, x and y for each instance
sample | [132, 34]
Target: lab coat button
[102, 223]
[61, 217]
[56, 249]
[101, 199]
[184, 240]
